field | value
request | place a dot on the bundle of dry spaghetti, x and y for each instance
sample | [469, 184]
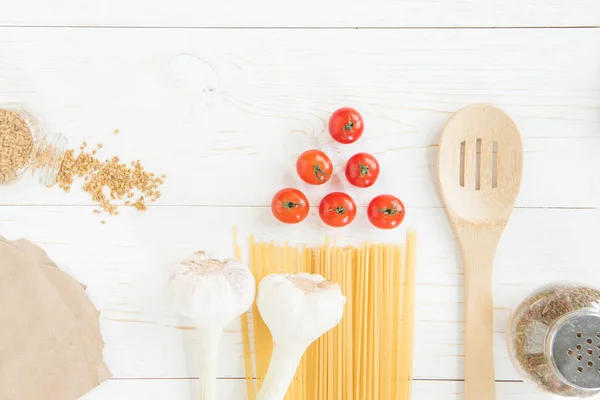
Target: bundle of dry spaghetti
[369, 355]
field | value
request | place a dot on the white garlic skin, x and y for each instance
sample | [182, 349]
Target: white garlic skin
[211, 291]
[299, 308]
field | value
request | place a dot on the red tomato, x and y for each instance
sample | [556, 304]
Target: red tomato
[314, 167]
[290, 206]
[386, 211]
[346, 125]
[362, 170]
[337, 209]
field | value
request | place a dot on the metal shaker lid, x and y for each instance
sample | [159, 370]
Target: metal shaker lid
[573, 347]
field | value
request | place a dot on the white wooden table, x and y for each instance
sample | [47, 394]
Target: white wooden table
[222, 96]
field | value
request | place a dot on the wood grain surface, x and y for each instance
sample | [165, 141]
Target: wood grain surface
[225, 111]
[310, 13]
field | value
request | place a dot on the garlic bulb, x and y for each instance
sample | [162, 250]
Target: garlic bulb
[297, 309]
[213, 293]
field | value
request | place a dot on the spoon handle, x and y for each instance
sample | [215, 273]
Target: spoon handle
[478, 245]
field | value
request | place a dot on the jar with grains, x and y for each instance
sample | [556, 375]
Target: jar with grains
[555, 339]
[26, 146]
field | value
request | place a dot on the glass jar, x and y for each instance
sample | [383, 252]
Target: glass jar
[25, 146]
[555, 339]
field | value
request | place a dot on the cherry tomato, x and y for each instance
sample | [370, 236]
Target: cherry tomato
[290, 206]
[314, 167]
[337, 209]
[386, 211]
[362, 170]
[346, 125]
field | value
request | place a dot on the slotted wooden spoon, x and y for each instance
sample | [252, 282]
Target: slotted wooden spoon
[479, 171]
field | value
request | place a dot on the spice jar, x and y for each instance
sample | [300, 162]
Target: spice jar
[555, 339]
[26, 146]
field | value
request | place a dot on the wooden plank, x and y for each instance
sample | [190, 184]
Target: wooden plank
[161, 389]
[311, 13]
[235, 390]
[273, 94]
[126, 262]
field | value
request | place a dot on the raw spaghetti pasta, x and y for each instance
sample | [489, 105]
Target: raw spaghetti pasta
[369, 355]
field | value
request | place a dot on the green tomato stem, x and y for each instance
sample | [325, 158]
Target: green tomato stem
[364, 169]
[390, 211]
[349, 126]
[288, 205]
[339, 210]
[319, 173]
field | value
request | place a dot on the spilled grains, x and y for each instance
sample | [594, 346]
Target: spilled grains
[110, 180]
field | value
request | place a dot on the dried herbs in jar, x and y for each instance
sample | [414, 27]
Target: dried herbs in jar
[555, 339]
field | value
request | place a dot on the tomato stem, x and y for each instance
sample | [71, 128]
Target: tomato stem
[349, 126]
[390, 211]
[288, 205]
[340, 210]
[319, 173]
[364, 169]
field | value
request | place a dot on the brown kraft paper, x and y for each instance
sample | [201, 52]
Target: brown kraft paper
[50, 341]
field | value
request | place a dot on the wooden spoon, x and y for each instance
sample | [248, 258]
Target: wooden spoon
[479, 171]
